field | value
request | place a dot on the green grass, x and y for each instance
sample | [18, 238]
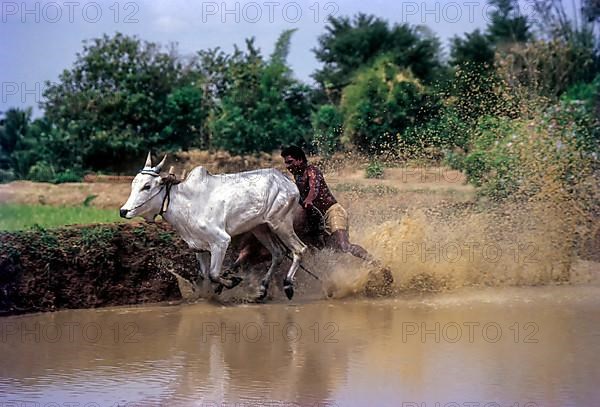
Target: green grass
[19, 217]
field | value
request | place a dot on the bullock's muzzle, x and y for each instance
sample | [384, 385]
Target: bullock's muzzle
[123, 213]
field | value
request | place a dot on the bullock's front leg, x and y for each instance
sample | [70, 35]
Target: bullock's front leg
[203, 259]
[217, 255]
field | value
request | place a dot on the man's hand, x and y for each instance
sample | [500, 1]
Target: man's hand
[307, 205]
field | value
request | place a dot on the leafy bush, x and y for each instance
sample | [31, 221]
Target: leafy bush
[489, 159]
[380, 104]
[327, 124]
[263, 107]
[374, 170]
[6, 176]
[41, 172]
[68, 175]
[558, 145]
[587, 94]
[88, 200]
[446, 131]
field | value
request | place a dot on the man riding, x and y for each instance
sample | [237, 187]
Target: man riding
[315, 193]
[316, 196]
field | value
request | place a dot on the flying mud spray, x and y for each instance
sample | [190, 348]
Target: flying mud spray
[546, 233]
[534, 220]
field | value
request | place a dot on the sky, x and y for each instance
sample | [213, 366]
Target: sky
[39, 39]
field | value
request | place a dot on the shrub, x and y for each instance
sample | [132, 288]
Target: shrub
[558, 145]
[68, 175]
[41, 172]
[263, 107]
[327, 125]
[6, 176]
[374, 170]
[380, 104]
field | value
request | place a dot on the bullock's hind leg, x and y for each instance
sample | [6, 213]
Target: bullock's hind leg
[269, 240]
[286, 233]
[252, 251]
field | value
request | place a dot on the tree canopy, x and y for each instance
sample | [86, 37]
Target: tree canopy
[352, 43]
[380, 88]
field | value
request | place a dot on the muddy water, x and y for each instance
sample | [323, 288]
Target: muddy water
[509, 346]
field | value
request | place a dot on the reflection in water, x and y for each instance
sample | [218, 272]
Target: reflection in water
[508, 346]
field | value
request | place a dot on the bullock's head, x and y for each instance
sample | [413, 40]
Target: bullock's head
[147, 192]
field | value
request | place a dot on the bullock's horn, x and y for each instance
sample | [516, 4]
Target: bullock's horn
[148, 161]
[160, 164]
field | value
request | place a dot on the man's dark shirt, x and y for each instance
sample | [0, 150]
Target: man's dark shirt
[320, 195]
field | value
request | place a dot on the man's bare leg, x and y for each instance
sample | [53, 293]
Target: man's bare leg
[380, 280]
[340, 240]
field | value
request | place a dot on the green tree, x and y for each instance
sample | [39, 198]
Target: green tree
[475, 50]
[506, 24]
[13, 128]
[351, 44]
[328, 127]
[379, 106]
[261, 105]
[113, 99]
[185, 118]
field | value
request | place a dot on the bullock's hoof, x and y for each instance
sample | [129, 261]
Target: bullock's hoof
[262, 292]
[234, 281]
[289, 290]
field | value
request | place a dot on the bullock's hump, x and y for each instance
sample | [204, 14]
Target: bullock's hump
[198, 173]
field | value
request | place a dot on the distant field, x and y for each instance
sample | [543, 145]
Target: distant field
[368, 201]
[19, 217]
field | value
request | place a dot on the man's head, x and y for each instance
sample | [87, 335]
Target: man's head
[295, 159]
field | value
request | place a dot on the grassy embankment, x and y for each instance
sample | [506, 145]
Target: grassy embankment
[19, 217]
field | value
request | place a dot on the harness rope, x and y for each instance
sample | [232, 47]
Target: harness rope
[287, 254]
[168, 183]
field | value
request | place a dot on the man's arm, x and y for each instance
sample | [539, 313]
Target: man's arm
[314, 185]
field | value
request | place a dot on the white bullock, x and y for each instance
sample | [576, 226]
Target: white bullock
[208, 210]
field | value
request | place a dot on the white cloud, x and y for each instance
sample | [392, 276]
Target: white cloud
[171, 24]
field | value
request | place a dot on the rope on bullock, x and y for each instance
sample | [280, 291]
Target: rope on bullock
[169, 181]
[304, 268]
[287, 254]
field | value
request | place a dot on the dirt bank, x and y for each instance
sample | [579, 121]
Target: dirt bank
[90, 266]
[108, 265]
